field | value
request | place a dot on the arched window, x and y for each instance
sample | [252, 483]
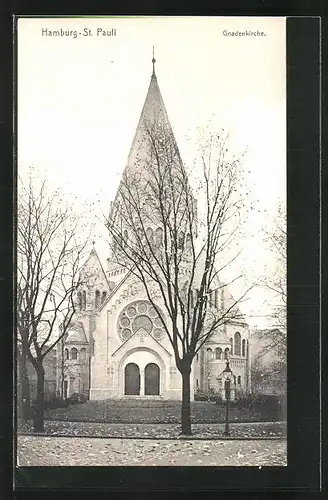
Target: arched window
[226, 353]
[216, 299]
[150, 235]
[103, 297]
[181, 238]
[139, 235]
[197, 357]
[83, 353]
[218, 353]
[243, 348]
[239, 380]
[197, 384]
[84, 300]
[125, 237]
[66, 354]
[97, 298]
[237, 350]
[231, 344]
[159, 237]
[79, 300]
[222, 299]
[188, 243]
[73, 353]
[209, 354]
[210, 295]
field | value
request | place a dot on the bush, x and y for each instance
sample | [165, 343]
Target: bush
[207, 396]
[77, 398]
[268, 405]
[54, 402]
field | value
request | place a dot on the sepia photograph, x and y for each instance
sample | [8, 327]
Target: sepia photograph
[151, 242]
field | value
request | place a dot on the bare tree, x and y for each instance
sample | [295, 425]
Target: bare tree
[276, 282]
[48, 266]
[63, 364]
[175, 249]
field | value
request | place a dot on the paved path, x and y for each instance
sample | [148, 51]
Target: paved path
[60, 451]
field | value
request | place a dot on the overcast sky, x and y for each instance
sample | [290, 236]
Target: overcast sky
[79, 101]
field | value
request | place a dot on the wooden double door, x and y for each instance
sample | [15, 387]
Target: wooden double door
[133, 384]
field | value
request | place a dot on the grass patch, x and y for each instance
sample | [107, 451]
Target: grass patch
[160, 412]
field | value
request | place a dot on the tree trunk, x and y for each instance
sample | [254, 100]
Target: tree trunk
[38, 418]
[185, 406]
[24, 395]
[25, 390]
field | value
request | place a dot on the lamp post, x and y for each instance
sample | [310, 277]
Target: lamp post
[208, 387]
[227, 377]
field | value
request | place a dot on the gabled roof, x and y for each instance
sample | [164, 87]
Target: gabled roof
[114, 290]
[93, 262]
[136, 334]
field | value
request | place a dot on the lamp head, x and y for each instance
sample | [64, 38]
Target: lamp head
[227, 372]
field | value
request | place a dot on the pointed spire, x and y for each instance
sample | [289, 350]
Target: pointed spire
[153, 110]
[93, 250]
[153, 61]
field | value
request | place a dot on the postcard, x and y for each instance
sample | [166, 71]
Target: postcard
[151, 241]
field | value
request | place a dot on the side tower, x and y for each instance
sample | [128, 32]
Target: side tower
[75, 352]
[73, 365]
[229, 342]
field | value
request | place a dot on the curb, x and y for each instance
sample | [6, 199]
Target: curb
[145, 438]
[163, 422]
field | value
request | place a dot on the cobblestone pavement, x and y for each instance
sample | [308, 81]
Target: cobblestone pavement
[61, 451]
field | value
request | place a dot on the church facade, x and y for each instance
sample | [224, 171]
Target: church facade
[116, 346]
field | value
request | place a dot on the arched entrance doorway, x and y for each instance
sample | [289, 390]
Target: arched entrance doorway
[152, 379]
[132, 380]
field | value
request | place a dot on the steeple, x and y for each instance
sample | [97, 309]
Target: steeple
[153, 61]
[153, 111]
[153, 125]
[153, 114]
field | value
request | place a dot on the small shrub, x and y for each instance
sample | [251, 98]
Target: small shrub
[77, 398]
[55, 402]
[266, 405]
[207, 396]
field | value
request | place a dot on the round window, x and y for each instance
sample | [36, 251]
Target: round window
[142, 308]
[126, 334]
[152, 312]
[158, 333]
[131, 312]
[158, 322]
[125, 322]
[139, 314]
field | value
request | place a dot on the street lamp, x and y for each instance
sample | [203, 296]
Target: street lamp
[227, 376]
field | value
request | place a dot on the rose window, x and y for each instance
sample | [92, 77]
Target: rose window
[140, 314]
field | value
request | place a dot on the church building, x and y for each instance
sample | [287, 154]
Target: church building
[117, 348]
